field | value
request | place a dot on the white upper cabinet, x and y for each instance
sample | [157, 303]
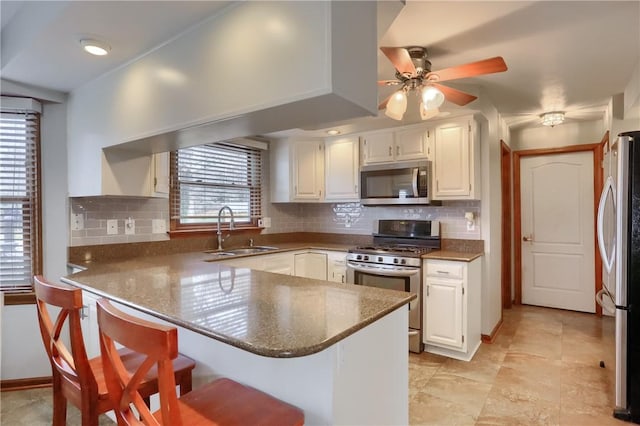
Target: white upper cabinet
[411, 144]
[407, 143]
[308, 170]
[456, 160]
[377, 147]
[341, 162]
[123, 174]
[297, 170]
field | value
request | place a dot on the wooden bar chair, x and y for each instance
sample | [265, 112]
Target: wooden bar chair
[76, 378]
[222, 402]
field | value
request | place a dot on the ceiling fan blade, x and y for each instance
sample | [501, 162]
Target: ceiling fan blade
[399, 57]
[384, 103]
[454, 95]
[487, 66]
[389, 82]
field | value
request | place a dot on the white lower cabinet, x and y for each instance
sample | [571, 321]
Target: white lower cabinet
[281, 263]
[337, 266]
[311, 265]
[451, 307]
[89, 323]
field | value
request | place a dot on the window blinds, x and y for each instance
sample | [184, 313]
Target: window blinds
[19, 201]
[208, 177]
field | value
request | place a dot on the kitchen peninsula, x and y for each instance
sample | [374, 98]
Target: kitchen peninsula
[337, 351]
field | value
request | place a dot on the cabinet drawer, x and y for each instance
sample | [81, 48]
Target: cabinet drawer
[445, 269]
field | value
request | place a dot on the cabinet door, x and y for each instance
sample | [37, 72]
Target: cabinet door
[451, 166]
[311, 265]
[308, 170]
[411, 144]
[278, 263]
[337, 267]
[443, 311]
[341, 169]
[377, 147]
[161, 174]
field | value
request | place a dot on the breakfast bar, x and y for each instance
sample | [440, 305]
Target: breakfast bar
[337, 351]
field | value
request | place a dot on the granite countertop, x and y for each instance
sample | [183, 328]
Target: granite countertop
[267, 314]
[462, 256]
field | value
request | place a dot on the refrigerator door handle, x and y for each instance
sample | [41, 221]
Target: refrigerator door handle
[607, 260]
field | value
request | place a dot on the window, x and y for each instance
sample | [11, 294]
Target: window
[20, 240]
[207, 177]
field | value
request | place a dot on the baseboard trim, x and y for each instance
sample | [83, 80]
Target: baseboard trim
[28, 383]
[490, 338]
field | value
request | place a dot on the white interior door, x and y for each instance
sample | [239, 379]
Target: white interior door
[558, 231]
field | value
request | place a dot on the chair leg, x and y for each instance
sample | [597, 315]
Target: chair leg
[59, 403]
[185, 382]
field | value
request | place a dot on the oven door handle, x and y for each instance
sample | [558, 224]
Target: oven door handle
[385, 272]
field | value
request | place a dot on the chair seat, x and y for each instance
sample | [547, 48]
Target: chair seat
[182, 365]
[228, 403]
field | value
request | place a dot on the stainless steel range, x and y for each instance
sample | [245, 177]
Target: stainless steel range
[394, 262]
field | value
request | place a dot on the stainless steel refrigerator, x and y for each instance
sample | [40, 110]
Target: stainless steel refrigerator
[619, 243]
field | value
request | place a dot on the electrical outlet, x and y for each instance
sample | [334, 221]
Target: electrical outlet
[77, 221]
[112, 226]
[129, 226]
[158, 226]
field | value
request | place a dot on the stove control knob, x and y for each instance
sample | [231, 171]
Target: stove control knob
[380, 259]
[366, 258]
[359, 257]
[395, 260]
[403, 261]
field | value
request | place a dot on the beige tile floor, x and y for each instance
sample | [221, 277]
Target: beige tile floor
[542, 369]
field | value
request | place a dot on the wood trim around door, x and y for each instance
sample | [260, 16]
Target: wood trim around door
[505, 184]
[517, 208]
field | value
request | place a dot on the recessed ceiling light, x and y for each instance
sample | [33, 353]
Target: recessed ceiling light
[95, 47]
[333, 132]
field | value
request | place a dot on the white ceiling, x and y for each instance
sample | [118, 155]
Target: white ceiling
[568, 56]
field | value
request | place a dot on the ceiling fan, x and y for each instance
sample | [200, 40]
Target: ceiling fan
[413, 73]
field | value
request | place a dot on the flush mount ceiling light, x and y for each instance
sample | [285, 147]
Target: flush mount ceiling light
[413, 74]
[552, 118]
[333, 132]
[95, 47]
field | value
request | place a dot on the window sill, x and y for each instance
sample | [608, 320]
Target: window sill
[19, 298]
[200, 231]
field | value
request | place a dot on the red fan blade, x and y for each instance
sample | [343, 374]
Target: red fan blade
[454, 95]
[384, 103]
[399, 57]
[487, 66]
[389, 82]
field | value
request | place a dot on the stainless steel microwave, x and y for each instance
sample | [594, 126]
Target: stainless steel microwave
[396, 183]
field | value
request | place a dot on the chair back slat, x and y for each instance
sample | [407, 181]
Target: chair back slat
[159, 343]
[72, 364]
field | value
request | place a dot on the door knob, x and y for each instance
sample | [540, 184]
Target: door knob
[529, 238]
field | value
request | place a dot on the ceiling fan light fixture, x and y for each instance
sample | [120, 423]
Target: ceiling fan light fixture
[552, 118]
[426, 113]
[397, 105]
[95, 47]
[432, 98]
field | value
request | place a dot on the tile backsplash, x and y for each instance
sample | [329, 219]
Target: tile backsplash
[96, 211]
[345, 218]
[353, 218]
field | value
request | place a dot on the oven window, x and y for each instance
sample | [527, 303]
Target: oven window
[390, 283]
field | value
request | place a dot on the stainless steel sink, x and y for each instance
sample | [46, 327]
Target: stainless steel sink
[242, 250]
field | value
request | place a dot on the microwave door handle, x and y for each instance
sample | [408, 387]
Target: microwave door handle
[607, 259]
[415, 183]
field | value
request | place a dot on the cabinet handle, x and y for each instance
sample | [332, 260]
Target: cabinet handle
[390, 151]
[355, 188]
[443, 272]
[398, 150]
[427, 291]
[83, 313]
[437, 185]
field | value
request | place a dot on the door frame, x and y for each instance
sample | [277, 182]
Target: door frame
[596, 148]
[505, 185]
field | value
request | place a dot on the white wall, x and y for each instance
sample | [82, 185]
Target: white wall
[568, 133]
[23, 353]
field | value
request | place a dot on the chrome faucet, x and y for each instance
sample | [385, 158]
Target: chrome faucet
[219, 233]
